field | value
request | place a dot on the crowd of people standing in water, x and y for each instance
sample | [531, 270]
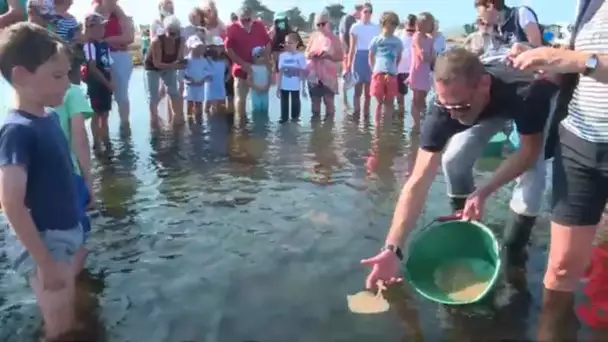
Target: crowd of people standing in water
[557, 106]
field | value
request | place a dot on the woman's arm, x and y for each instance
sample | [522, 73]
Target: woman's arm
[182, 50]
[309, 46]
[352, 48]
[338, 54]
[419, 51]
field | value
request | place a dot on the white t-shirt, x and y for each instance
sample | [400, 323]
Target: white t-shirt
[525, 16]
[291, 64]
[406, 55]
[364, 33]
[439, 43]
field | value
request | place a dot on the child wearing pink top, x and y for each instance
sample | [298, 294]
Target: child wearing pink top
[420, 70]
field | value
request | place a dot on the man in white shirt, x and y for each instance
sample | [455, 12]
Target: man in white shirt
[403, 68]
[439, 40]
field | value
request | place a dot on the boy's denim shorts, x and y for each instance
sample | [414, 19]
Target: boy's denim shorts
[62, 244]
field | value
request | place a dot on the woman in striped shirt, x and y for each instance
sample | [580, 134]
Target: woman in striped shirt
[580, 167]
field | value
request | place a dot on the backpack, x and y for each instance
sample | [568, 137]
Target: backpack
[519, 31]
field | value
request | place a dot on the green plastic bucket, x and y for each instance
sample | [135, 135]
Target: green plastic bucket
[437, 245]
[496, 145]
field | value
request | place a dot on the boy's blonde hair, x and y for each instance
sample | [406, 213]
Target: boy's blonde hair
[389, 18]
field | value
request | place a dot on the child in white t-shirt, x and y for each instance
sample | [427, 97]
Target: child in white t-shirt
[292, 65]
[195, 76]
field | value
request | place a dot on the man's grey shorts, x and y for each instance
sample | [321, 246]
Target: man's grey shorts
[62, 245]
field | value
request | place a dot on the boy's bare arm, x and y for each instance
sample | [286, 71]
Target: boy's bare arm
[13, 182]
[80, 145]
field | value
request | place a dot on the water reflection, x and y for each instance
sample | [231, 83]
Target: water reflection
[387, 144]
[118, 185]
[321, 144]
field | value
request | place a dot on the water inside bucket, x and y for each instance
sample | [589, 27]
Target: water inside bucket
[463, 280]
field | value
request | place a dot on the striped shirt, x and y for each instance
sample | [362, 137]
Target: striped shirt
[66, 27]
[588, 111]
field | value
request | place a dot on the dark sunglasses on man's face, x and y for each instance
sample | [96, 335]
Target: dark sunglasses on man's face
[366, 11]
[461, 107]
[245, 20]
[321, 24]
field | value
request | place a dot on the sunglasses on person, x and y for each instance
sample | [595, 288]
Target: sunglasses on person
[245, 20]
[366, 11]
[460, 107]
[319, 25]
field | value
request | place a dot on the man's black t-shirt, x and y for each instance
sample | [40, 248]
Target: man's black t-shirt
[527, 104]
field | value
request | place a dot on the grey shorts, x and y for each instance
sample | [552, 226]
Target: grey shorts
[62, 245]
[153, 79]
[319, 90]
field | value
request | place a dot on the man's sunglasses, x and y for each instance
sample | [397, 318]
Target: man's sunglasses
[321, 24]
[463, 107]
[245, 20]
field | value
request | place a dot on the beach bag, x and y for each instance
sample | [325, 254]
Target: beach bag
[496, 63]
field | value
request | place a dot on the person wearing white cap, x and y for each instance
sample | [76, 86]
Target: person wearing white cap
[215, 89]
[195, 76]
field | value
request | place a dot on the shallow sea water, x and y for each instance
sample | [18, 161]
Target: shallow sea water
[255, 234]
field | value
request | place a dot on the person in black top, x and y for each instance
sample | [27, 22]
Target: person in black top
[471, 106]
[165, 57]
[513, 24]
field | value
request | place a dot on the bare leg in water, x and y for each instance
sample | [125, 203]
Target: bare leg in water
[569, 251]
[330, 105]
[367, 99]
[418, 108]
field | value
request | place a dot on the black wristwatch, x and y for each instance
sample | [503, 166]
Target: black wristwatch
[394, 249]
[591, 65]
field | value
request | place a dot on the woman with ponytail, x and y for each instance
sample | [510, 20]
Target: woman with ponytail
[119, 34]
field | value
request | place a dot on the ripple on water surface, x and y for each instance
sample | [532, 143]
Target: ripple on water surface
[213, 234]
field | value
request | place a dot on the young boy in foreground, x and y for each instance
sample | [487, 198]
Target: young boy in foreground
[37, 188]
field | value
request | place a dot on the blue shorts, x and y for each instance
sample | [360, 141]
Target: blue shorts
[361, 66]
[62, 244]
[259, 101]
[83, 204]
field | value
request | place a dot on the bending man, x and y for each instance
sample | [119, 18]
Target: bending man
[473, 105]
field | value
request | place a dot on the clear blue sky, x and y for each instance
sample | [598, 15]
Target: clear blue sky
[451, 13]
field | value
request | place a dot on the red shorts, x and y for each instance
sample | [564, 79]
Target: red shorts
[593, 311]
[384, 86]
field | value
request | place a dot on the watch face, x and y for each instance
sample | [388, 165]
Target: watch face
[592, 62]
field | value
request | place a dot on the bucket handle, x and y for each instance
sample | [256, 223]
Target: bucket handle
[455, 216]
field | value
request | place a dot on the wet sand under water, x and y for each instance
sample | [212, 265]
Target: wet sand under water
[255, 235]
